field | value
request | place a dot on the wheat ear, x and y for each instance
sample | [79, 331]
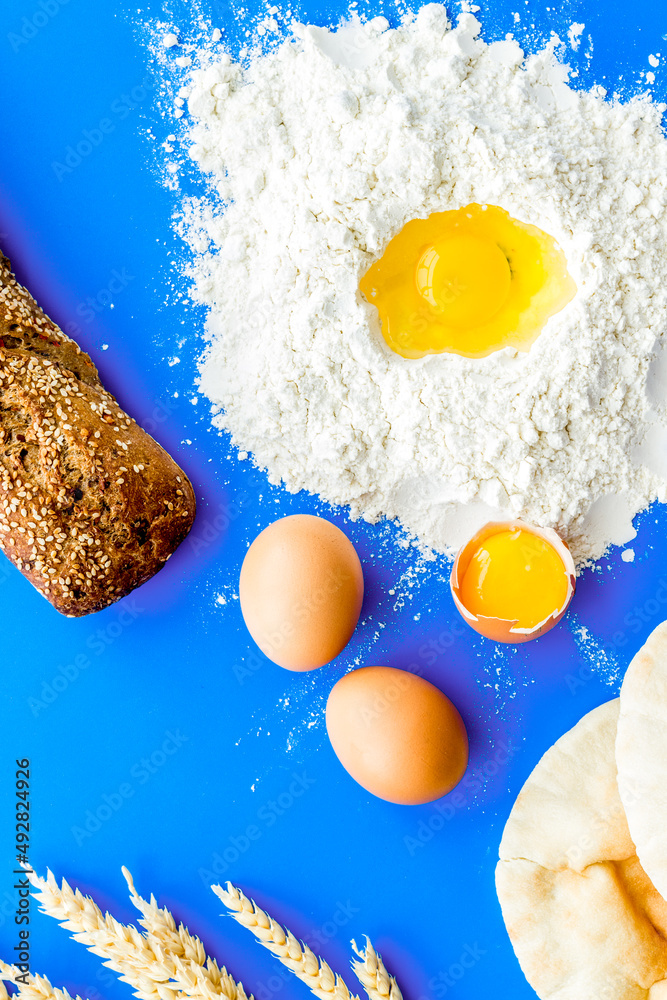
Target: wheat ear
[147, 967]
[373, 976]
[194, 973]
[297, 957]
[37, 987]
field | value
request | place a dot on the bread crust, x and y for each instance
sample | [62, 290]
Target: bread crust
[90, 505]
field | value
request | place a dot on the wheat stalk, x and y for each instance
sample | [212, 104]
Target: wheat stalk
[169, 963]
[37, 988]
[297, 957]
[195, 973]
[373, 976]
[123, 947]
[145, 964]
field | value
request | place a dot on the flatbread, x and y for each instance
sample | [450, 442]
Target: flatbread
[584, 919]
[641, 754]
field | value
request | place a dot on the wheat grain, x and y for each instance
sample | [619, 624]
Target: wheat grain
[145, 964]
[297, 957]
[193, 969]
[37, 987]
[373, 976]
[122, 947]
[168, 963]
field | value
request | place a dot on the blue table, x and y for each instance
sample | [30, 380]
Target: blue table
[156, 734]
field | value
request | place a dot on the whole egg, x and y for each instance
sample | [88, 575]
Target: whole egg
[301, 590]
[397, 734]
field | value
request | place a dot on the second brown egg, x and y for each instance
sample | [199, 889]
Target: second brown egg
[397, 734]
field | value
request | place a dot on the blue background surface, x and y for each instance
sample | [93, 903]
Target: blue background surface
[331, 862]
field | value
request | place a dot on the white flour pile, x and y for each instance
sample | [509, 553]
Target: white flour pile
[321, 151]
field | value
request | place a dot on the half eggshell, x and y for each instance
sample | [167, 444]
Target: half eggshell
[499, 629]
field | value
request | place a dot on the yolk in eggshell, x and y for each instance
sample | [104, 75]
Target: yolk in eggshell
[469, 281]
[516, 576]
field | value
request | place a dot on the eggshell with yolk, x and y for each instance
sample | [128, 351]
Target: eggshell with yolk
[301, 590]
[397, 735]
[499, 629]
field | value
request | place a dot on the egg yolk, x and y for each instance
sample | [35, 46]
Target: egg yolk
[470, 282]
[516, 576]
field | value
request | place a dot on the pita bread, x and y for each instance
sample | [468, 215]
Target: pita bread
[584, 919]
[641, 754]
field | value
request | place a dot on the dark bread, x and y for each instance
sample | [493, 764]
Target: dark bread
[90, 505]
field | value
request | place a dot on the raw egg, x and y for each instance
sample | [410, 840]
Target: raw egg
[397, 735]
[513, 581]
[301, 590]
[470, 282]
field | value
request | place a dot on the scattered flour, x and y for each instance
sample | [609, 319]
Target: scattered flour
[318, 153]
[574, 34]
[597, 660]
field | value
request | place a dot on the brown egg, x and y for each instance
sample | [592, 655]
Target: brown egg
[301, 590]
[397, 735]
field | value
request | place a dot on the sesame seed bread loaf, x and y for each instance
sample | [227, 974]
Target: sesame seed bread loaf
[90, 505]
